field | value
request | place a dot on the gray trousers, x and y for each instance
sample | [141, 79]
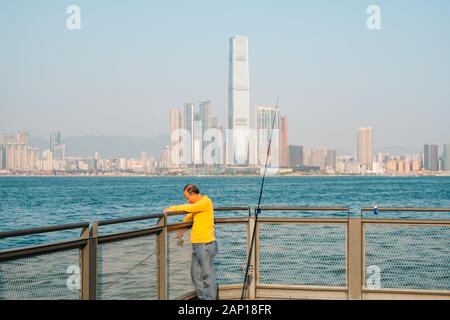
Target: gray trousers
[203, 272]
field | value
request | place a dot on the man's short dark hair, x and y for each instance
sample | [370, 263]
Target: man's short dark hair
[191, 189]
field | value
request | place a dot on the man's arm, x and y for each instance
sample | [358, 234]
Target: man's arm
[188, 217]
[190, 207]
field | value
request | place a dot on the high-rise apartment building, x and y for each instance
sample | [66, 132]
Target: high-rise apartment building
[284, 141]
[331, 158]
[266, 119]
[188, 124]
[431, 157]
[295, 156]
[55, 138]
[175, 140]
[365, 146]
[446, 158]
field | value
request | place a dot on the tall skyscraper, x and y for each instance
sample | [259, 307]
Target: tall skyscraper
[56, 147]
[55, 138]
[204, 110]
[331, 158]
[364, 146]
[446, 166]
[238, 86]
[204, 114]
[197, 139]
[239, 146]
[295, 156]
[175, 125]
[283, 141]
[431, 157]
[59, 152]
[265, 117]
[175, 120]
[2, 157]
[188, 124]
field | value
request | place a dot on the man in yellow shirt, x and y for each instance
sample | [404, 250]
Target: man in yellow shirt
[204, 244]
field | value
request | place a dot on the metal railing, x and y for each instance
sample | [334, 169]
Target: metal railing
[412, 255]
[331, 255]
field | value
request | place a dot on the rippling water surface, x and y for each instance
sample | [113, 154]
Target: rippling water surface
[38, 201]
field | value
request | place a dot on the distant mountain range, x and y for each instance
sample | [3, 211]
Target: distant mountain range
[108, 146]
[131, 147]
[395, 150]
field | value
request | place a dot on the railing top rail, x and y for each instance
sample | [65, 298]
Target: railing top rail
[123, 235]
[63, 227]
[35, 250]
[129, 219]
[288, 220]
[303, 208]
[407, 209]
[177, 213]
[238, 208]
[435, 222]
[36, 230]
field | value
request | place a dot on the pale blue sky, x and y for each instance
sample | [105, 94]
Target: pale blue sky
[132, 61]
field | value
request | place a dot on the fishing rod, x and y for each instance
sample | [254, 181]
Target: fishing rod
[258, 208]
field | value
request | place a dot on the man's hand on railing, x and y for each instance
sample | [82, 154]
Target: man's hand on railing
[179, 237]
[180, 233]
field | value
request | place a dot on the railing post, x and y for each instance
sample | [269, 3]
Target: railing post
[89, 263]
[355, 268]
[161, 250]
[251, 288]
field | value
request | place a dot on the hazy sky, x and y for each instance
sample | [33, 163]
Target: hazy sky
[134, 60]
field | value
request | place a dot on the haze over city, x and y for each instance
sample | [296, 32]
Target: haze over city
[126, 67]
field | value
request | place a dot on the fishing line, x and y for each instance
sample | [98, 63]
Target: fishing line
[258, 208]
[135, 266]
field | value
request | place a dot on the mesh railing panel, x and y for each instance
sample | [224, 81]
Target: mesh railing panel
[231, 259]
[48, 276]
[127, 269]
[302, 254]
[179, 265]
[407, 257]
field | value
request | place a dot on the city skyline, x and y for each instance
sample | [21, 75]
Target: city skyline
[366, 78]
[18, 155]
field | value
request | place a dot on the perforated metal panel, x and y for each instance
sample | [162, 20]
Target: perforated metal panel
[127, 269]
[407, 256]
[302, 254]
[231, 260]
[179, 258]
[47, 276]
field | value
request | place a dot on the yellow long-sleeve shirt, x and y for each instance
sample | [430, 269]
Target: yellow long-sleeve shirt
[202, 214]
